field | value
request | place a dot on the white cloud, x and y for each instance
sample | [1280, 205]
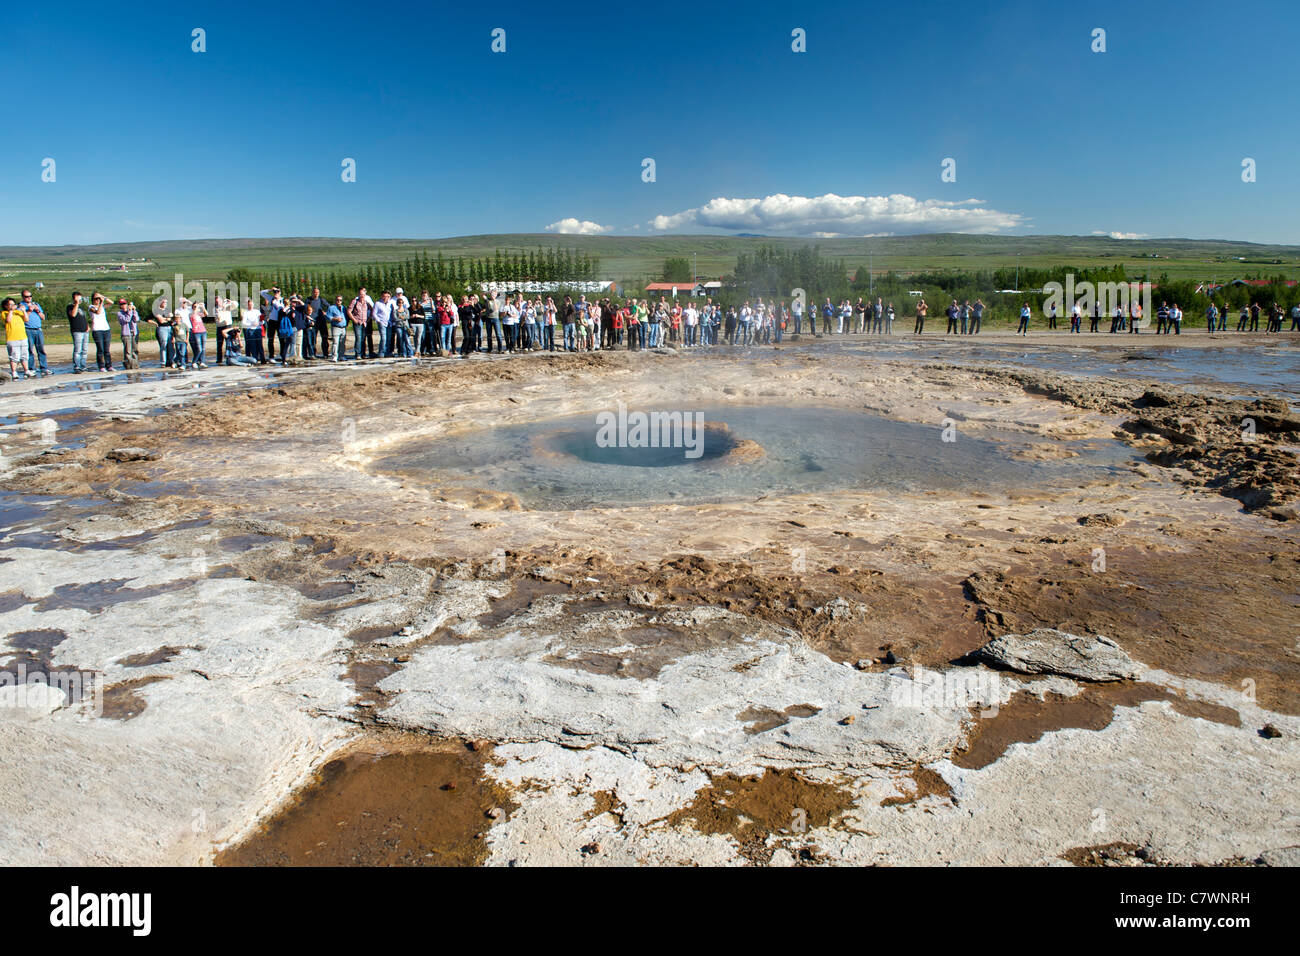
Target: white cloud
[832, 215]
[1120, 235]
[577, 227]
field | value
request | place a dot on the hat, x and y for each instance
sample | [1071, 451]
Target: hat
[121, 301]
[399, 291]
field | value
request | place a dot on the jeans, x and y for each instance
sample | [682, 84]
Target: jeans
[130, 349]
[570, 337]
[103, 357]
[286, 345]
[402, 341]
[446, 337]
[79, 342]
[494, 325]
[386, 340]
[337, 334]
[199, 346]
[36, 349]
[358, 341]
[417, 338]
[164, 333]
[253, 344]
[548, 337]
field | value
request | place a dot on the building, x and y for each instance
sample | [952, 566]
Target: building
[685, 287]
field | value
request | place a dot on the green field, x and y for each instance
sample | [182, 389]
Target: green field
[629, 260]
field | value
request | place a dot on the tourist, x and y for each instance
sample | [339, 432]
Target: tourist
[1023, 327]
[952, 312]
[231, 352]
[79, 326]
[889, 320]
[128, 320]
[468, 326]
[198, 336]
[101, 332]
[164, 324]
[34, 323]
[401, 325]
[976, 316]
[360, 311]
[383, 314]
[921, 310]
[250, 323]
[225, 309]
[15, 320]
[878, 316]
[337, 317]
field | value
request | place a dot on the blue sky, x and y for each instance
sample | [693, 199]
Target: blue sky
[154, 141]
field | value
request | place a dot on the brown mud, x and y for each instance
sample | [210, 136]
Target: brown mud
[754, 808]
[1026, 718]
[387, 801]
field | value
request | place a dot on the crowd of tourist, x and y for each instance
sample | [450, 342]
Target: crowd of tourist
[293, 328]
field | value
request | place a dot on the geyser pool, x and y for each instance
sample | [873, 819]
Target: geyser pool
[746, 451]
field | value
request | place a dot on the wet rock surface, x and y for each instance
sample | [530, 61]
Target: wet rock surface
[786, 679]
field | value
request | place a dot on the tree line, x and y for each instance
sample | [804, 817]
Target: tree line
[436, 273]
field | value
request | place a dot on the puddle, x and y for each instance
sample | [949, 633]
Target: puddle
[743, 452]
[121, 702]
[1026, 718]
[161, 656]
[94, 596]
[377, 807]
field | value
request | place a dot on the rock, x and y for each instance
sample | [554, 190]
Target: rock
[1282, 856]
[131, 454]
[1269, 732]
[848, 720]
[1049, 651]
[1101, 521]
[496, 813]
[890, 658]
[863, 663]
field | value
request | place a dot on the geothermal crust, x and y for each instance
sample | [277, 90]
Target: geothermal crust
[1030, 675]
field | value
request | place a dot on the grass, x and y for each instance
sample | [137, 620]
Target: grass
[627, 259]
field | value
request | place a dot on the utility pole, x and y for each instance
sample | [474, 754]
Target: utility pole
[1017, 272]
[871, 277]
